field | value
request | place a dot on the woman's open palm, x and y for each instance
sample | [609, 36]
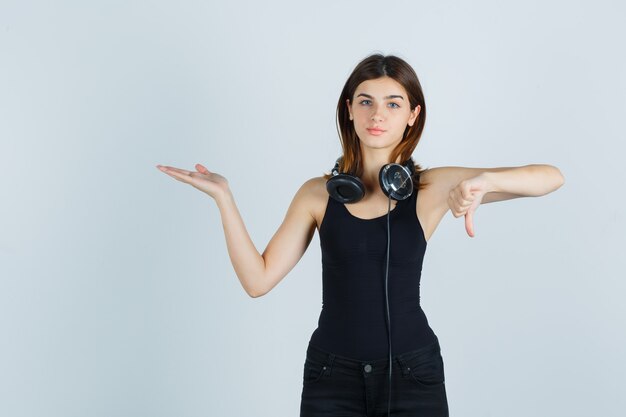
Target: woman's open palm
[204, 180]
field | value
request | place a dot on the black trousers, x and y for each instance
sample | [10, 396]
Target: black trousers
[334, 385]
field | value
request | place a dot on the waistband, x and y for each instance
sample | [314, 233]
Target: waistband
[376, 366]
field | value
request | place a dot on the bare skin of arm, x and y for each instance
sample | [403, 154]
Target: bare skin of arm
[462, 189]
[257, 273]
[260, 273]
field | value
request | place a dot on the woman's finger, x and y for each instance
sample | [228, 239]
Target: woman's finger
[180, 171]
[202, 168]
[180, 177]
[469, 223]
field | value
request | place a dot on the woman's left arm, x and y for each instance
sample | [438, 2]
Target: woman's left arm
[466, 188]
[527, 181]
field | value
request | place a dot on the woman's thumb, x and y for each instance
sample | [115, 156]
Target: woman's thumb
[202, 169]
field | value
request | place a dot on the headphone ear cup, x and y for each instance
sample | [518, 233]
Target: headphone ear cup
[345, 188]
[396, 180]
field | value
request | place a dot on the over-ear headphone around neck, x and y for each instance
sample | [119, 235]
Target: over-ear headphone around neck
[395, 180]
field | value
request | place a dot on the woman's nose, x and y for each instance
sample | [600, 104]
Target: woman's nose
[377, 115]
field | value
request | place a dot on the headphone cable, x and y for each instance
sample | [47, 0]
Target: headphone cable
[387, 295]
[387, 304]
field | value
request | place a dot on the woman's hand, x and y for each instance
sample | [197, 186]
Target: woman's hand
[204, 180]
[465, 198]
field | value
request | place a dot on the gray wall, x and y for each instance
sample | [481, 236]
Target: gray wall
[117, 295]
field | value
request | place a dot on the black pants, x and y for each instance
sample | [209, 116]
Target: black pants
[338, 386]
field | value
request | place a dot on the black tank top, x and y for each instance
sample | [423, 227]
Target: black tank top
[352, 322]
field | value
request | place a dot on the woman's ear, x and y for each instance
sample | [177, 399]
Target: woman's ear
[348, 105]
[414, 114]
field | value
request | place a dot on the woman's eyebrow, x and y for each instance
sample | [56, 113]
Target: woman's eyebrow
[391, 96]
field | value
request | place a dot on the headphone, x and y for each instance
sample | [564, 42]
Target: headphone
[396, 181]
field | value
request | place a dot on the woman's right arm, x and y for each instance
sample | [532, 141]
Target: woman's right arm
[257, 273]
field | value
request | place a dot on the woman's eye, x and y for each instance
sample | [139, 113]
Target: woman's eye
[394, 104]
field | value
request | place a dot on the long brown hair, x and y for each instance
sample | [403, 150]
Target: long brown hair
[372, 67]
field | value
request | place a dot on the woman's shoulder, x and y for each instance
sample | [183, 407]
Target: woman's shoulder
[314, 185]
[315, 189]
[316, 197]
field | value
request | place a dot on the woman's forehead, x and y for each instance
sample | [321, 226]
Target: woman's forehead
[380, 88]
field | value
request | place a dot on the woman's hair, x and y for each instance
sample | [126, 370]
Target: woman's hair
[373, 67]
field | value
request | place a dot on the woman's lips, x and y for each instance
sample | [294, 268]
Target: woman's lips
[375, 132]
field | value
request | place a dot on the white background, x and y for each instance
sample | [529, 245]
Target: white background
[117, 295]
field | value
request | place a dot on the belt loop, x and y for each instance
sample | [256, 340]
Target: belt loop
[329, 366]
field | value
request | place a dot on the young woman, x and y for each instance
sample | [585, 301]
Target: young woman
[373, 352]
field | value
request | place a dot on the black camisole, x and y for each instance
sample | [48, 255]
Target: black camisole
[352, 322]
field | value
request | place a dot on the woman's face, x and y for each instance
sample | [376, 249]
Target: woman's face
[383, 104]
